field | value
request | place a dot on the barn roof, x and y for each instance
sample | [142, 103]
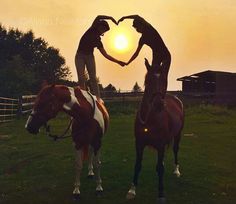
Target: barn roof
[209, 75]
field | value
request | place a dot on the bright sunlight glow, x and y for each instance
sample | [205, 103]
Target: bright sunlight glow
[121, 42]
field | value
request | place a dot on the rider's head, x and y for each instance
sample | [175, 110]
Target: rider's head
[102, 27]
[139, 24]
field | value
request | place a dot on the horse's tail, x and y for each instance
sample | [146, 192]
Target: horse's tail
[85, 152]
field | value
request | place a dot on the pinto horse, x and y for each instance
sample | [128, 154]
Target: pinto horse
[89, 123]
[158, 122]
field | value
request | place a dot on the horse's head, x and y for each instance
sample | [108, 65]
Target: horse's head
[45, 108]
[153, 86]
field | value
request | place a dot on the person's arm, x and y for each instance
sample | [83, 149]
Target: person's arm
[135, 54]
[128, 17]
[103, 17]
[104, 53]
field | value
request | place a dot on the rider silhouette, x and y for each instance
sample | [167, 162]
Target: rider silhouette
[85, 57]
[161, 57]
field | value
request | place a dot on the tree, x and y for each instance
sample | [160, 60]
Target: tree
[136, 88]
[109, 90]
[15, 78]
[26, 61]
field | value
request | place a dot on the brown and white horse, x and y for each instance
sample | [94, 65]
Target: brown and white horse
[158, 123]
[89, 123]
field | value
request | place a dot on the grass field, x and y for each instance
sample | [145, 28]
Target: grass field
[37, 170]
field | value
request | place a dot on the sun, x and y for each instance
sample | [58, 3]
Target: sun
[121, 42]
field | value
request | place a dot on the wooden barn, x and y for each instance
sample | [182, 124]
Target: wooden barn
[221, 86]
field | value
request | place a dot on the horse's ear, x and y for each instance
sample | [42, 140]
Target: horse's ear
[148, 66]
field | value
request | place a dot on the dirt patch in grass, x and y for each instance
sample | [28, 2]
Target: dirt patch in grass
[21, 164]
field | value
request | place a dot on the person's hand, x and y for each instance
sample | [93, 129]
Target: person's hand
[114, 21]
[121, 19]
[121, 63]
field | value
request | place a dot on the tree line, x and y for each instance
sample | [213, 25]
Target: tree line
[26, 62]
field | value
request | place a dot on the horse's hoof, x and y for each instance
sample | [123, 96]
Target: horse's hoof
[90, 176]
[176, 171]
[130, 196]
[99, 190]
[76, 196]
[177, 174]
[161, 200]
[99, 193]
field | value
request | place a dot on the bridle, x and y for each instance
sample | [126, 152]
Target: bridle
[48, 128]
[39, 117]
[150, 108]
[154, 95]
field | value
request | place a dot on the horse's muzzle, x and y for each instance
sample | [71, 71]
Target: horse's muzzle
[31, 129]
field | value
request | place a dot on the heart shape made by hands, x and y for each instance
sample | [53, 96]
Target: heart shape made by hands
[121, 40]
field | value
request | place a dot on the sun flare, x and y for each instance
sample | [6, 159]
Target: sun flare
[121, 42]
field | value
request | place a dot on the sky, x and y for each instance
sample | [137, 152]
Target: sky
[200, 35]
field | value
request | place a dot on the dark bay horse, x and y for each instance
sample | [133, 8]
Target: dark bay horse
[158, 123]
[89, 123]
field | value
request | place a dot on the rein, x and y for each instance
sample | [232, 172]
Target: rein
[63, 135]
[141, 120]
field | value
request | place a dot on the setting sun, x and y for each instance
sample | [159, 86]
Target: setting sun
[121, 42]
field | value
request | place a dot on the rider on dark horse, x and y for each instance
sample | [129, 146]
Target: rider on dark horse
[161, 57]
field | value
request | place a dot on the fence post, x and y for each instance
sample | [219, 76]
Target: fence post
[19, 109]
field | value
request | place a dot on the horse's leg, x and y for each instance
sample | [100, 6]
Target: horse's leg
[160, 172]
[90, 162]
[78, 168]
[97, 167]
[138, 165]
[175, 150]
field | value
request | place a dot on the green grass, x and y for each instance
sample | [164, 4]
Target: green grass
[35, 169]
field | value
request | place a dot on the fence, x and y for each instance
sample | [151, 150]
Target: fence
[10, 108]
[225, 98]
[26, 103]
[122, 96]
